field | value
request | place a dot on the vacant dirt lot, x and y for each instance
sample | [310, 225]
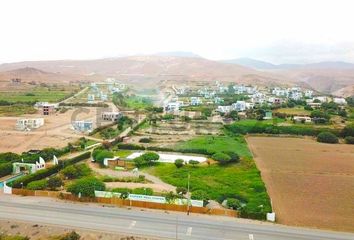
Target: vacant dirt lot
[310, 184]
[56, 131]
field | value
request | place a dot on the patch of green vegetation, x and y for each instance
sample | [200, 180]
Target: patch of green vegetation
[236, 144]
[122, 153]
[16, 110]
[42, 94]
[240, 181]
[298, 110]
[136, 102]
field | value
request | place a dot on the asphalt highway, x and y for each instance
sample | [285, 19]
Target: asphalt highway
[151, 223]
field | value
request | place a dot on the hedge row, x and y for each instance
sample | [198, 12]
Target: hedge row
[270, 129]
[5, 169]
[43, 173]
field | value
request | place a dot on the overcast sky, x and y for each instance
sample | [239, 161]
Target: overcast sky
[280, 31]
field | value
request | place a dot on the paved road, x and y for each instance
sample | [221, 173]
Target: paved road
[156, 224]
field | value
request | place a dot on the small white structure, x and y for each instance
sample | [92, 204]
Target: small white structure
[195, 101]
[271, 217]
[111, 116]
[308, 93]
[304, 119]
[322, 99]
[90, 98]
[104, 97]
[82, 126]
[170, 158]
[26, 124]
[55, 160]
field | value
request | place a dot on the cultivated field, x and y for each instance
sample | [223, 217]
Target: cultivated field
[310, 184]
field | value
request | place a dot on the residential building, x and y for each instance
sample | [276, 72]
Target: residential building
[239, 106]
[26, 124]
[82, 126]
[224, 109]
[111, 116]
[308, 93]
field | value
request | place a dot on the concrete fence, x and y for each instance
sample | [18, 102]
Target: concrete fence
[126, 202]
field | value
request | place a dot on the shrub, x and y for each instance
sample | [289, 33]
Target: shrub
[233, 203]
[139, 161]
[145, 140]
[222, 158]
[349, 140]
[181, 190]
[234, 157]
[179, 163]
[200, 195]
[102, 155]
[70, 172]
[54, 182]
[130, 146]
[348, 131]
[5, 169]
[327, 137]
[193, 162]
[70, 236]
[38, 185]
[86, 186]
[150, 156]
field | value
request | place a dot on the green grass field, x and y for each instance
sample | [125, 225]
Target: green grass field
[294, 111]
[138, 102]
[217, 144]
[42, 94]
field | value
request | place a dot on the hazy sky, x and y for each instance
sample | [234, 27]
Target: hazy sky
[281, 31]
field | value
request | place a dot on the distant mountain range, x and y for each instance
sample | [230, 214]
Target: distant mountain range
[188, 69]
[257, 64]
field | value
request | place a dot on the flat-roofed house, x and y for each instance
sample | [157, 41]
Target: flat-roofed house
[29, 123]
[82, 126]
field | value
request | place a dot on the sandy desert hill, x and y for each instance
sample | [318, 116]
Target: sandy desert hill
[144, 70]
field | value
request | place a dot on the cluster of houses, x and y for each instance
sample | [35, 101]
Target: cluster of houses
[97, 94]
[253, 94]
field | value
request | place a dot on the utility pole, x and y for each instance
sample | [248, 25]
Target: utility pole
[188, 194]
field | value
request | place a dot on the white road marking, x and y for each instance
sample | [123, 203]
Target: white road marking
[132, 224]
[250, 237]
[189, 231]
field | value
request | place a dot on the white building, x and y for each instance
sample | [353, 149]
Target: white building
[82, 126]
[304, 119]
[340, 101]
[174, 106]
[308, 93]
[29, 123]
[239, 106]
[195, 101]
[111, 116]
[322, 99]
[224, 109]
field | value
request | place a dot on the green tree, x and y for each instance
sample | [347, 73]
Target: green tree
[179, 163]
[327, 137]
[102, 155]
[233, 203]
[54, 182]
[222, 158]
[194, 163]
[150, 157]
[86, 186]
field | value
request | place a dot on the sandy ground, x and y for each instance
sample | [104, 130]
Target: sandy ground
[56, 131]
[45, 232]
[310, 184]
